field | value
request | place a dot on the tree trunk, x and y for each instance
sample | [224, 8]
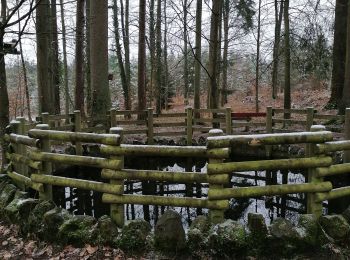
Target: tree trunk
[339, 53]
[55, 59]
[119, 54]
[152, 52]
[79, 58]
[25, 81]
[257, 68]
[287, 92]
[65, 65]
[345, 101]
[101, 101]
[43, 65]
[142, 56]
[198, 55]
[276, 47]
[126, 40]
[158, 57]
[226, 13]
[165, 56]
[185, 52]
[88, 59]
[213, 53]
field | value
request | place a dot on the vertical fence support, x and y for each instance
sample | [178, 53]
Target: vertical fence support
[189, 123]
[347, 134]
[150, 133]
[309, 118]
[22, 148]
[228, 118]
[215, 216]
[113, 119]
[46, 166]
[117, 210]
[313, 207]
[18, 148]
[268, 129]
[77, 128]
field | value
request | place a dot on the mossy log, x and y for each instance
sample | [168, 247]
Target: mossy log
[269, 139]
[270, 190]
[26, 181]
[17, 158]
[77, 183]
[333, 170]
[333, 194]
[298, 163]
[173, 177]
[76, 160]
[165, 150]
[332, 147]
[164, 201]
[22, 139]
[108, 139]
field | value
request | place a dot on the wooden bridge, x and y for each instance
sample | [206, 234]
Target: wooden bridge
[31, 158]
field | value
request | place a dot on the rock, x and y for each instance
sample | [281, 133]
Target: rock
[257, 225]
[169, 232]
[346, 214]
[134, 235]
[182, 141]
[35, 219]
[7, 194]
[308, 231]
[105, 232]
[283, 229]
[335, 226]
[197, 233]
[52, 220]
[76, 230]
[228, 239]
[4, 178]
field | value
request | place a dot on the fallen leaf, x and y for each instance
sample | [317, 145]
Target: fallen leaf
[5, 243]
[28, 248]
[91, 250]
[82, 253]
[7, 255]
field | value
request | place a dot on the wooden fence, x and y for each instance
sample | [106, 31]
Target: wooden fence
[31, 158]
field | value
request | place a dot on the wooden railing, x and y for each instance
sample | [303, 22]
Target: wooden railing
[31, 158]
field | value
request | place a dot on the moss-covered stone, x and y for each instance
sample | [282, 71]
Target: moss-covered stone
[169, 234]
[336, 227]
[76, 230]
[283, 229]
[257, 225]
[308, 230]
[228, 239]
[35, 219]
[346, 214]
[52, 220]
[105, 232]
[197, 233]
[6, 196]
[134, 235]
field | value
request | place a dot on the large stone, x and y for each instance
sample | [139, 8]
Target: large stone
[335, 226]
[283, 229]
[52, 220]
[7, 194]
[257, 225]
[227, 239]
[105, 232]
[35, 219]
[134, 235]
[169, 232]
[197, 233]
[346, 214]
[76, 230]
[308, 231]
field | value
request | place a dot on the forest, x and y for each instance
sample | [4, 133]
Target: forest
[61, 56]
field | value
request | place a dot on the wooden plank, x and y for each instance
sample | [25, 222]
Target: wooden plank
[170, 134]
[290, 111]
[131, 122]
[168, 124]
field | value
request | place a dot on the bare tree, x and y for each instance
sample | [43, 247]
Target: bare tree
[198, 55]
[142, 56]
[287, 95]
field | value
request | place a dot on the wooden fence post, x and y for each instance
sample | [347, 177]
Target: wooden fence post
[18, 149]
[228, 121]
[189, 123]
[113, 118]
[309, 118]
[215, 216]
[268, 148]
[77, 128]
[46, 166]
[313, 207]
[22, 148]
[150, 134]
[45, 118]
[117, 210]
[346, 158]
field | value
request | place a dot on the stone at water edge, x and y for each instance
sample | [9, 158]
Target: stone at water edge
[335, 226]
[6, 195]
[52, 220]
[227, 239]
[134, 235]
[105, 232]
[76, 230]
[169, 233]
